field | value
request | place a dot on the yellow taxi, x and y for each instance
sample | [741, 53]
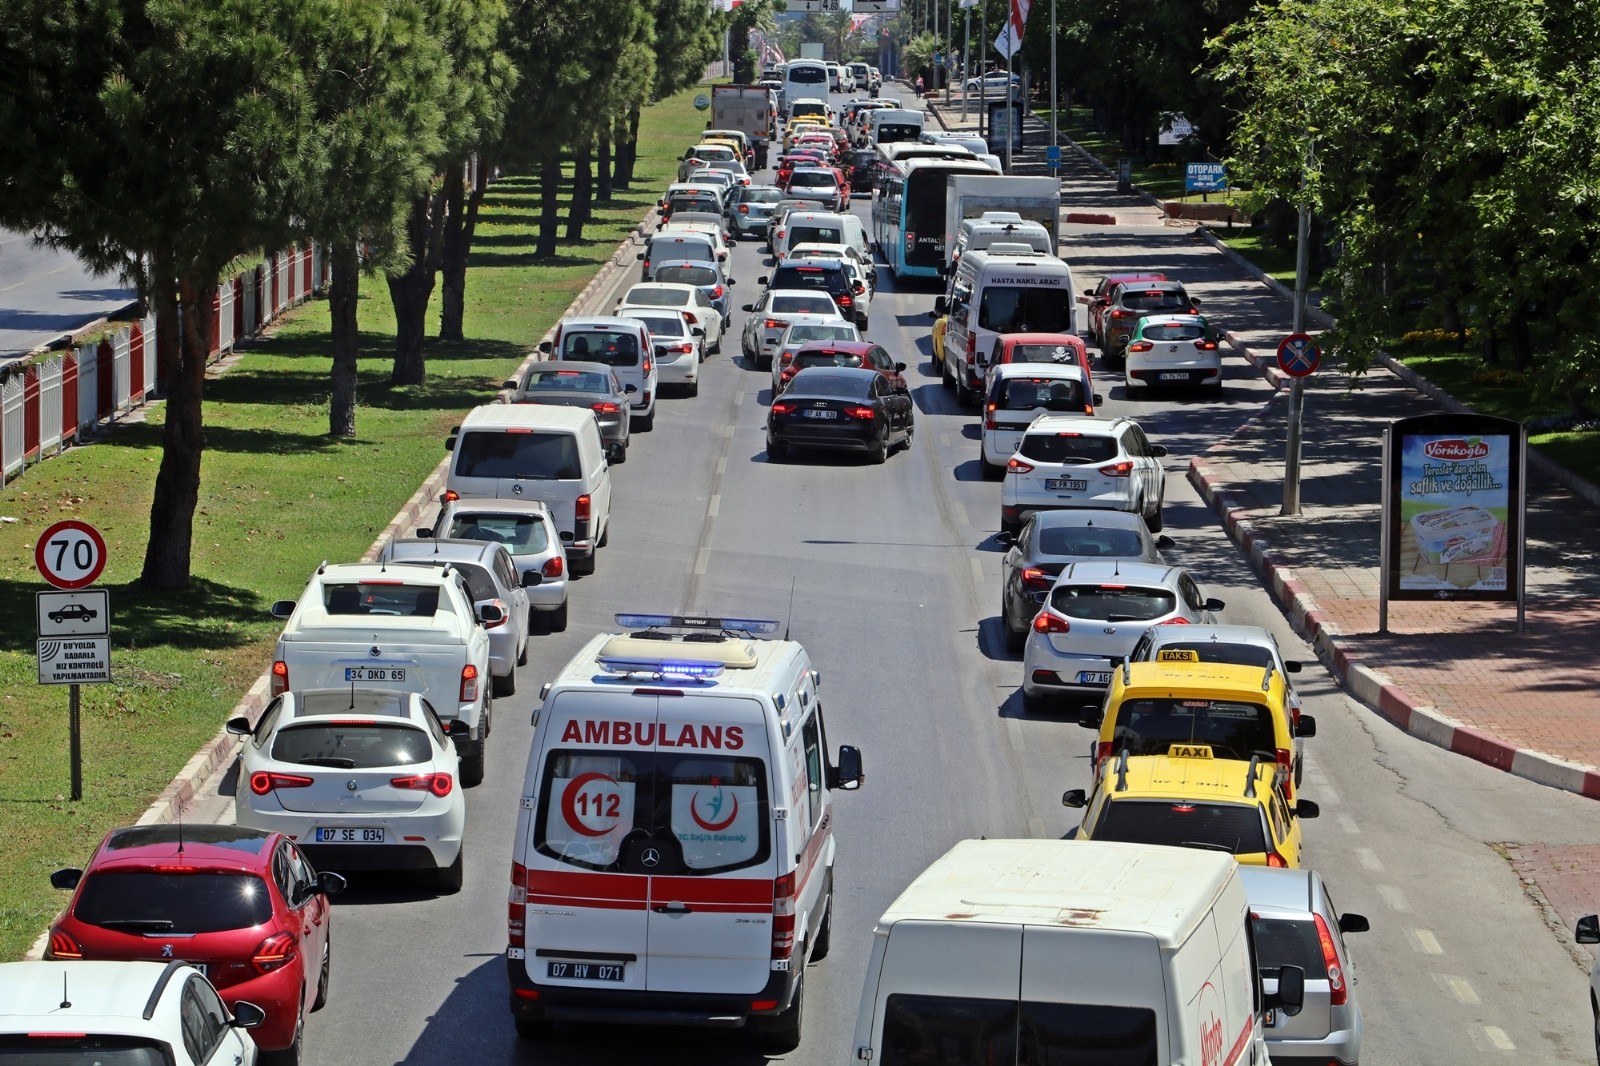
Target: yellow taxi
[1189, 798]
[1238, 712]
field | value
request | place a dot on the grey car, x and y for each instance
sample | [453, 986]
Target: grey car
[1296, 924]
[1049, 541]
[750, 208]
[574, 383]
[529, 533]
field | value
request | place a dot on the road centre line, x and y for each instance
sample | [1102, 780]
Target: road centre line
[1348, 824]
[738, 398]
[1369, 859]
[722, 466]
[1497, 1036]
[1426, 942]
[1393, 897]
[701, 560]
[1462, 989]
[715, 505]
[977, 573]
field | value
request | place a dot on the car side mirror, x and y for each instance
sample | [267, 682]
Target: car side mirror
[239, 727]
[1165, 542]
[69, 878]
[283, 608]
[458, 729]
[1306, 726]
[847, 773]
[1214, 604]
[1099, 399]
[450, 443]
[1074, 797]
[1587, 930]
[763, 279]
[512, 385]
[1006, 537]
[747, 307]
[934, 316]
[246, 1015]
[1291, 993]
[1194, 303]
[489, 614]
[1307, 809]
[639, 256]
[1088, 292]
[1357, 923]
[1090, 715]
[614, 453]
[1293, 666]
[423, 533]
[983, 358]
[899, 367]
[532, 578]
[696, 331]
[1158, 451]
[331, 884]
[545, 347]
[731, 283]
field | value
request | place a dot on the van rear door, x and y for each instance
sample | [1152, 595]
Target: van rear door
[711, 889]
[923, 1002]
[1101, 988]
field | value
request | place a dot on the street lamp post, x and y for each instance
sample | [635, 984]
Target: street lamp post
[1297, 395]
[1054, 137]
[949, 46]
[966, 64]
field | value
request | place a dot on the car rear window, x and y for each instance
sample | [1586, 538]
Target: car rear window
[1070, 448]
[522, 534]
[380, 597]
[1025, 309]
[663, 326]
[826, 381]
[611, 347]
[810, 179]
[687, 275]
[1216, 651]
[923, 1030]
[1284, 942]
[1088, 540]
[533, 456]
[73, 1049]
[802, 333]
[1174, 331]
[1232, 827]
[808, 76]
[809, 277]
[760, 195]
[801, 233]
[645, 296]
[803, 305]
[1231, 729]
[1113, 603]
[1155, 300]
[1043, 353]
[1034, 394]
[566, 381]
[150, 901]
[480, 586]
[352, 745]
[805, 359]
[893, 132]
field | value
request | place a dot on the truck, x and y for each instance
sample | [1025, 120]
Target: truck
[811, 50]
[748, 109]
[1036, 199]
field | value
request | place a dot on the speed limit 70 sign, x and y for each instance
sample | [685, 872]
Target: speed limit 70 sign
[70, 554]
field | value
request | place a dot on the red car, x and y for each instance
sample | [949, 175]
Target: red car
[1062, 348]
[1098, 299]
[242, 905]
[848, 354]
[790, 160]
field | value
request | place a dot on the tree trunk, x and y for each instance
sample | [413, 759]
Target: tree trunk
[579, 210]
[453, 264]
[549, 204]
[602, 166]
[1521, 341]
[183, 439]
[167, 339]
[628, 151]
[344, 292]
[410, 291]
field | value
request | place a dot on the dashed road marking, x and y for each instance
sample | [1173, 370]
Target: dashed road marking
[1368, 858]
[1348, 824]
[1326, 794]
[738, 398]
[1497, 1036]
[1462, 990]
[715, 505]
[1426, 942]
[1036, 826]
[959, 513]
[947, 439]
[977, 571]
[727, 430]
[722, 466]
[1394, 898]
[702, 560]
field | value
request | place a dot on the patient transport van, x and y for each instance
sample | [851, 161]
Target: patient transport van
[673, 862]
[1005, 288]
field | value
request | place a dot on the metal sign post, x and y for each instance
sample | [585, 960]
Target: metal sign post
[74, 645]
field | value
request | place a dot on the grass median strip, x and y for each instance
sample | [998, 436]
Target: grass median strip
[277, 497]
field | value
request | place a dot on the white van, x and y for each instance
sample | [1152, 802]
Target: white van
[1005, 288]
[674, 854]
[1030, 951]
[513, 451]
[889, 125]
[804, 79]
[623, 344]
[998, 227]
[821, 227]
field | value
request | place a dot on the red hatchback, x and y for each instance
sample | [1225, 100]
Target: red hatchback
[242, 905]
[1099, 298]
[846, 354]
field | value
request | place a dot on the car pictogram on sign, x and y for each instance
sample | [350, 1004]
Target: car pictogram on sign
[75, 612]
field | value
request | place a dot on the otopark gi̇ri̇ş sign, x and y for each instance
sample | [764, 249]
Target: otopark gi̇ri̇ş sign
[1453, 507]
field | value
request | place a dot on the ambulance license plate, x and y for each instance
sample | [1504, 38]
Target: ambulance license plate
[584, 971]
[344, 835]
[1094, 677]
[1065, 484]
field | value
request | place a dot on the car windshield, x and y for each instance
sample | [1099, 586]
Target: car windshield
[534, 455]
[1070, 448]
[87, 1049]
[566, 381]
[523, 534]
[1034, 394]
[177, 903]
[810, 179]
[799, 334]
[1025, 309]
[352, 745]
[1090, 541]
[1231, 729]
[391, 597]
[1043, 353]
[611, 347]
[1113, 603]
[1173, 331]
[1233, 827]
[1155, 300]
[687, 275]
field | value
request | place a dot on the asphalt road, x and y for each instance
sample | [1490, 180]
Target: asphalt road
[45, 294]
[890, 576]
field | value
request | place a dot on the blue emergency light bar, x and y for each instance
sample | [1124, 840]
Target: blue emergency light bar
[763, 627]
[660, 667]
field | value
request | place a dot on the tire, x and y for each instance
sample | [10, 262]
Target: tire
[1035, 704]
[522, 656]
[694, 388]
[1015, 642]
[582, 565]
[824, 938]
[325, 979]
[534, 1028]
[507, 685]
[945, 377]
[648, 422]
[881, 454]
[289, 1056]
[991, 471]
[472, 764]
[605, 535]
[557, 619]
[776, 451]
[447, 879]
[784, 1036]
[1595, 1008]
[1153, 521]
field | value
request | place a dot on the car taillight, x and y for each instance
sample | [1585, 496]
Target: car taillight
[63, 946]
[1206, 346]
[783, 916]
[1337, 992]
[783, 408]
[1045, 622]
[1276, 861]
[1177, 621]
[264, 781]
[1122, 314]
[844, 301]
[648, 366]
[604, 408]
[581, 507]
[716, 293]
[856, 410]
[280, 677]
[451, 495]
[911, 242]
[1140, 346]
[1035, 578]
[469, 684]
[647, 262]
[1122, 469]
[275, 952]
[505, 615]
[690, 317]
[972, 347]
[787, 373]
[771, 323]
[1102, 752]
[553, 567]
[439, 784]
[1017, 466]
[517, 906]
[744, 209]
[1286, 772]
[682, 348]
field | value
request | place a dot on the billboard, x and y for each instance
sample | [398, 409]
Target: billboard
[1453, 508]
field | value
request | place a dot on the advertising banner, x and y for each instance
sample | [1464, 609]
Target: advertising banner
[1453, 506]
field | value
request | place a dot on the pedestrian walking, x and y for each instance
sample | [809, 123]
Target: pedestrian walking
[919, 85]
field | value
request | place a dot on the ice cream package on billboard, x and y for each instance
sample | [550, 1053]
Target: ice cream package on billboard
[1455, 534]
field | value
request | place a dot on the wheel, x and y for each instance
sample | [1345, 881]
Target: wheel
[1595, 1007]
[911, 432]
[324, 979]
[648, 422]
[965, 395]
[991, 471]
[506, 685]
[582, 564]
[605, 536]
[522, 655]
[1034, 704]
[945, 377]
[472, 764]
[777, 452]
[289, 1056]
[1014, 641]
[785, 1032]
[824, 938]
[694, 388]
[1153, 521]
[447, 879]
[557, 619]
[534, 1028]
[881, 453]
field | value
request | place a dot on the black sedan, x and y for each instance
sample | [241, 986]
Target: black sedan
[571, 383]
[1052, 539]
[840, 407]
[859, 164]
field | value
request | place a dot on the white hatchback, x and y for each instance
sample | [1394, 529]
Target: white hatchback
[1172, 351]
[679, 346]
[1018, 393]
[809, 329]
[361, 779]
[528, 530]
[1079, 461]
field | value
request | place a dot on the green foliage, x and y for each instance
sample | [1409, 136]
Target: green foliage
[688, 36]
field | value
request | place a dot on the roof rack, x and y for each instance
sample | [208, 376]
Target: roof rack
[708, 628]
[1250, 778]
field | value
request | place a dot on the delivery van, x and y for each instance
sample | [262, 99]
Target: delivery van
[1038, 951]
[1005, 288]
[673, 860]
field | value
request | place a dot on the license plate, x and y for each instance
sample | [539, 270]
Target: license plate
[343, 835]
[197, 965]
[1174, 376]
[820, 414]
[585, 971]
[1065, 484]
[374, 673]
[1094, 677]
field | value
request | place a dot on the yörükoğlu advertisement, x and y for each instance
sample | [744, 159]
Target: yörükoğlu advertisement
[1454, 504]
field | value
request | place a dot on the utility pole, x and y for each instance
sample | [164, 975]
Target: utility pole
[949, 47]
[966, 63]
[1055, 139]
[1297, 396]
[983, 63]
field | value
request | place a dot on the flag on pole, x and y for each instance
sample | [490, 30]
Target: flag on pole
[1010, 40]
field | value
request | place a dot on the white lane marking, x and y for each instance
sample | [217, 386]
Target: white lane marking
[1497, 1036]
[1369, 858]
[1348, 824]
[1462, 990]
[715, 505]
[1426, 942]
[701, 560]
[1036, 826]
[1326, 794]
[727, 430]
[978, 579]
[1014, 734]
[947, 440]
[959, 513]
[1394, 898]
[738, 398]
[722, 466]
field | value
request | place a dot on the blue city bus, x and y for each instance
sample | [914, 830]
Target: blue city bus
[908, 214]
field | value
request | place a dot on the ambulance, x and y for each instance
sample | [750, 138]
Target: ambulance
[673, 861]
[1005, 288]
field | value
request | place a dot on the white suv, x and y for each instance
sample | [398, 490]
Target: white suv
[1078, 461]
[122, 1012]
